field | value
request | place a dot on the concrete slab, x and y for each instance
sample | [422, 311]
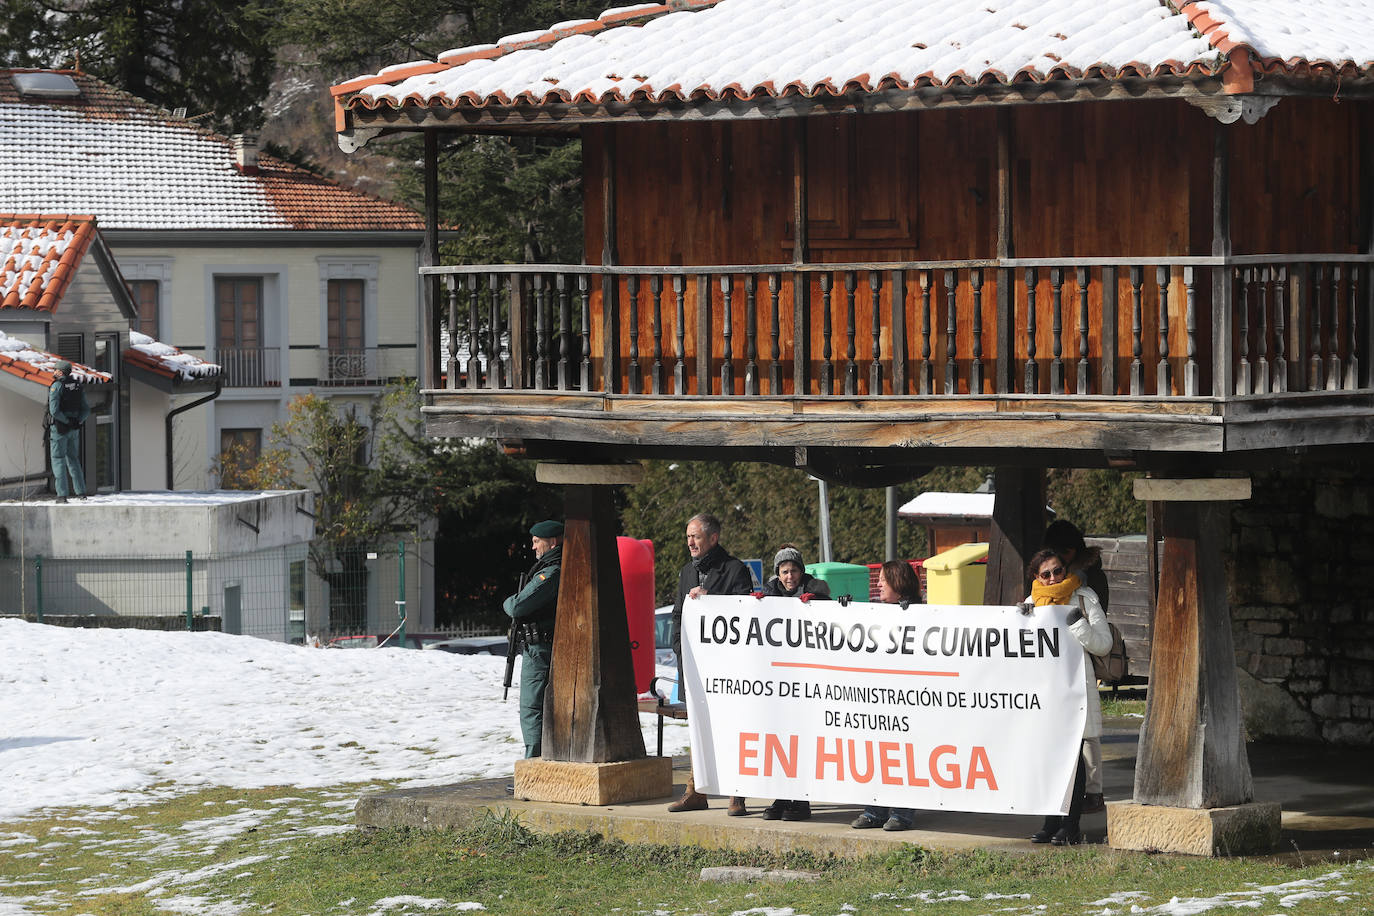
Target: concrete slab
[1327, 796]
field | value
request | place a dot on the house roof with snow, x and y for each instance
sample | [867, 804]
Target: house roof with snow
[166, 367]
[735, 56]
[20, 360]
[91, 148]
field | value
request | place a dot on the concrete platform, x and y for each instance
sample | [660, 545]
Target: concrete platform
[1327, 797]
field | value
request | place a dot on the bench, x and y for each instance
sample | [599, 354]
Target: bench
[658, 706]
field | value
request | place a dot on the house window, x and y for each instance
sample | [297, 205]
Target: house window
[344, 301]
[147, 295]
[106, 415]
[238, 331]
[239, 451]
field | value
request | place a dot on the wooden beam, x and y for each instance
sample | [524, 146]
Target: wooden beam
[801, 283]
[427, 349]
[610, 307]
[1006, 248]
[1223, 370]
[1018, 525]
[1207, 489]
[590, 711]
[1192, 743]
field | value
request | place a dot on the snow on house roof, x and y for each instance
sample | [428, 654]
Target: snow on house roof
[136, 166]
[948, 505]
[166, 360]
[34, 365]
[39, 256]
[707, 50]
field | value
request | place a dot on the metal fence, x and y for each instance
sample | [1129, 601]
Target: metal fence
[275, 594]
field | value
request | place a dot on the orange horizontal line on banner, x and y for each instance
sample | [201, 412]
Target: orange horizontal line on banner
[864, 670]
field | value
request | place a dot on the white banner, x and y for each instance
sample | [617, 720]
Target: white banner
[966, 708]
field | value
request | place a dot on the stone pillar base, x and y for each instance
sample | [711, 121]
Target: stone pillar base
[1232, 831]
[537, 779]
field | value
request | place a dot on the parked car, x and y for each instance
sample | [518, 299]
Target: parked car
[373, 640]
[663, 637]
[472, 645]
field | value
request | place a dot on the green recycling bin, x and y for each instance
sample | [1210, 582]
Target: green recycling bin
[957, 575]
[843, 578]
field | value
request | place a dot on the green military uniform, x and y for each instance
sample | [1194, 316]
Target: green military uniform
[532, 610]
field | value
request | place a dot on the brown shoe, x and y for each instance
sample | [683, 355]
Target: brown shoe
[736, 808]
[691, 800]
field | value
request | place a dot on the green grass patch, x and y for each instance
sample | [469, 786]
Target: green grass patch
[292, 851]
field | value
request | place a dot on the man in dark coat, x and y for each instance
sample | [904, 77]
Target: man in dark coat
[68, 408]
[532, 609]
[712, 572]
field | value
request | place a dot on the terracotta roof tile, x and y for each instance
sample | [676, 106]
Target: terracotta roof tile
[39, 256]
[165, 360]
[136, 166]
[713, 49]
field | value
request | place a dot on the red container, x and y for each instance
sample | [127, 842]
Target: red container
[637, 574]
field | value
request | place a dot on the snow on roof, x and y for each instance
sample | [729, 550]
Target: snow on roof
[176, 498]
[949, 505]
[695, 50]
[30, 364]
[166, 360]
[38, 257]
[136, 166]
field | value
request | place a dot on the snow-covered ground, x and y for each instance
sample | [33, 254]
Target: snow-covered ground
[109, 718]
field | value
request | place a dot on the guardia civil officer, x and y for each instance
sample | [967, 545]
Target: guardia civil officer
[532, 610]
[67, 409]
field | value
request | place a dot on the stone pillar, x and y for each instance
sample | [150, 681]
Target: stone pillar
[1193, 788]
[593, 747]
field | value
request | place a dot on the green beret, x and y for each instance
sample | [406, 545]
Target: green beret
[547, 529]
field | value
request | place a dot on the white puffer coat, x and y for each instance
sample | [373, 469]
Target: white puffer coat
[1095, 637]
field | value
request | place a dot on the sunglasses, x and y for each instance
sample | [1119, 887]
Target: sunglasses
[1050, 573]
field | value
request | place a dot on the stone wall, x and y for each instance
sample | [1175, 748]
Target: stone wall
[1301, 571]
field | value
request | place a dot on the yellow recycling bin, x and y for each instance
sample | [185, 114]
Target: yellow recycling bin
[957, 575]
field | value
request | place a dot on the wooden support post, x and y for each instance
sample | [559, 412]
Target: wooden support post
[1193, 787]
[593, 747]
[427, 364]
[1018, 524]
[610, 254]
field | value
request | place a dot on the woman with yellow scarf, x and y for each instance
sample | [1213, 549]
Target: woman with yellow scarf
[1053, 584]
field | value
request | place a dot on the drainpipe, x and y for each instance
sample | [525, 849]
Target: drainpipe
[171, 415]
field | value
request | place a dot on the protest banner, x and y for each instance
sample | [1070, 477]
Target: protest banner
[964, 708]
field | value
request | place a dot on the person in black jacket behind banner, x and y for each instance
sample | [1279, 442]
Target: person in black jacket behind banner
[712, 572]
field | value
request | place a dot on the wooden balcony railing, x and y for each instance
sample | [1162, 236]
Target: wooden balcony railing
[1181, 327]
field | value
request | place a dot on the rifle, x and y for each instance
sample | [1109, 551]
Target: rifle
[512, 649]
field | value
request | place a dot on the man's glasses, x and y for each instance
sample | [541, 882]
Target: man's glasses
[1050, 573]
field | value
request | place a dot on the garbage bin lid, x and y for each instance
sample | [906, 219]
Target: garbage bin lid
[956, 557]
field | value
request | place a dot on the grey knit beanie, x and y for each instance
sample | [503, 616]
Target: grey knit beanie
[787, 554]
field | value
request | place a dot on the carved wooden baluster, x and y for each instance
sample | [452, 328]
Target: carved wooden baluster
[474, 334]
[1352, 363]
[1192, 383]
[1032, 364]
[1314, 346]
[636, 376]
[1280, 330]
[1261, 278]
[951, 329]
[564, 332]
[1243, 380]
[851, 369]
[926, 384]
[585, 293]
[656, 373]
[451, 308]
[900, 322]
[495, 375]
[827, 368]
[1137, 334]
[1057, 331]
[875, 367]
[727, 362]
[751, 331]
[775, 354]
[1081, 275]
[1164, 376]
[541, 332]
[1334, 373]
[680, 370]
[975, 376]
